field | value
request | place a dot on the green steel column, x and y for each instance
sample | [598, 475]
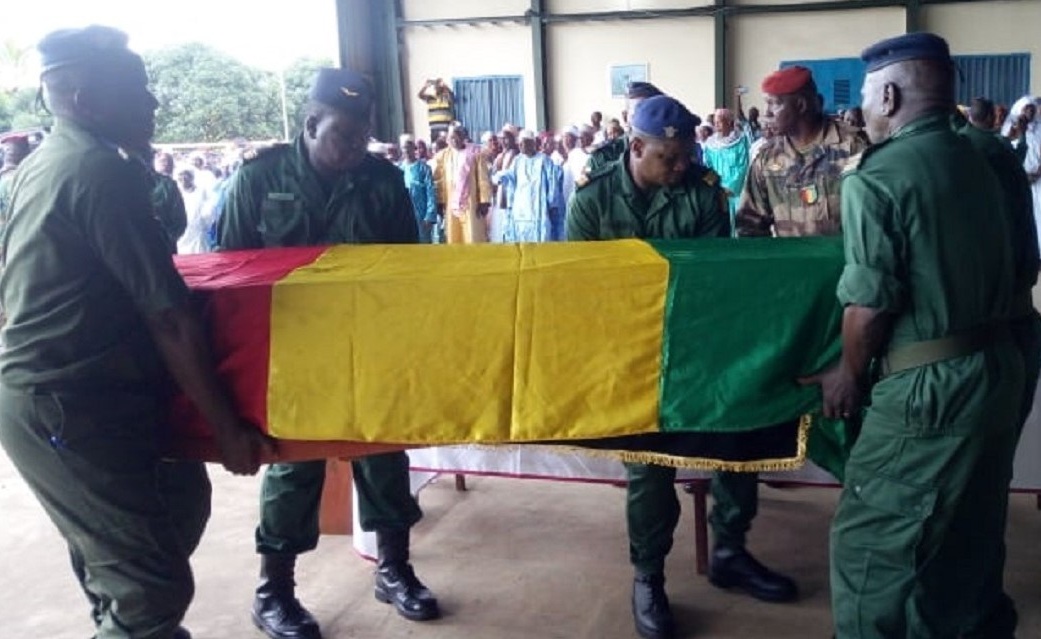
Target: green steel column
[720, 18]
[369, 44]
[538, 58]
[913, 11]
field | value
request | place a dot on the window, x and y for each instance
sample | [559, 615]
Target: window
[840, 91]
[838, 80]
[486, 103]
[1001, 78]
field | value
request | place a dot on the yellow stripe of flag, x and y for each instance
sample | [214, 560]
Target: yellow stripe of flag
[492, 343]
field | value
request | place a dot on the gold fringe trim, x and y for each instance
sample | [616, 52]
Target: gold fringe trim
[692, 463]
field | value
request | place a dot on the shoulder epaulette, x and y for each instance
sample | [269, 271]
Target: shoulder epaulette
[857, 161]
[589, 177]
[853, 163]
[250, 155]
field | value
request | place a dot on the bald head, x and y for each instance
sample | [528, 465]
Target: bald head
[904, 91]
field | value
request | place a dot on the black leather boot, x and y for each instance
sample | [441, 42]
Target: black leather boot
[396, 581]
[651, 607]
[276, 610]
[735, 567]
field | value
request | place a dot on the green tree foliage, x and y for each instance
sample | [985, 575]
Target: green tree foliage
[298, 77]
[18, 110]
[17, 103]
[206, 96]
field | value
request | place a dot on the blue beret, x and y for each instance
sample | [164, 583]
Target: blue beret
[913, 46]
[640, 90]
[343, 90]
[664, 117]
[94, 46]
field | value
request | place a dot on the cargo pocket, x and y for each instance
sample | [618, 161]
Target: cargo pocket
[282, 220]
[875, 540]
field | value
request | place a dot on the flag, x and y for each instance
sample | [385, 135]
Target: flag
[679, 352]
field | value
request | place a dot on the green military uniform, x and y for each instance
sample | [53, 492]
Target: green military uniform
[611, 207]
[935, 453]
[82, 386]
[605, 154]
[169, 207]
[278, 200]
[6, 181]
[996, 615]
[797, 192]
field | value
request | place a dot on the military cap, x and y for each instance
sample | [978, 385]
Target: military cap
[787, 81]
[664, 117]
[641, 90]
[343, 90]
[913, 46]
[94, 46]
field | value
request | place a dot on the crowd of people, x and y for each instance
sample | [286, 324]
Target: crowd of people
[941, 344]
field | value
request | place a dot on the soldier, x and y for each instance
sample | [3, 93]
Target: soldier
[97, 322]
[996, 615]
[792, 189]
[793, 183]
[611, 151]
[928, 286]
[325, 189]
[653, 191]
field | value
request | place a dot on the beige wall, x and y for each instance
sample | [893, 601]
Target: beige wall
[586, 6]
[679, 56]
[758, 43]
[679, 52]
[991, 27]
[465, 51]
[437, 9]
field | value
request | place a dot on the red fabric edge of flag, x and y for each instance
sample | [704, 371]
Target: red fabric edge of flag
[232, 292]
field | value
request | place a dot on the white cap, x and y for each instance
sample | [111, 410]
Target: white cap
[405, 138]
[526, 134]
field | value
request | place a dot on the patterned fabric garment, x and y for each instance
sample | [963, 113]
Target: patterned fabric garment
[797, 190]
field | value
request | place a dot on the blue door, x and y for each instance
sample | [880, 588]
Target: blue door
[486, 103]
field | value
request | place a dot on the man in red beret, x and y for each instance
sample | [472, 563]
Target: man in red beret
[805, 159]
[792, 189]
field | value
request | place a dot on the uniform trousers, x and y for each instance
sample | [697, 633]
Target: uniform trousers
[130, 520]
[995, 614]
[653, 510]
[917, 526]
[291, 493]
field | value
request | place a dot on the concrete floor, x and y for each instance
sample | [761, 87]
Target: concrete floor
[509, 559]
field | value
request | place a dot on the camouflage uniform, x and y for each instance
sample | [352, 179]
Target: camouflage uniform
[797, 191]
